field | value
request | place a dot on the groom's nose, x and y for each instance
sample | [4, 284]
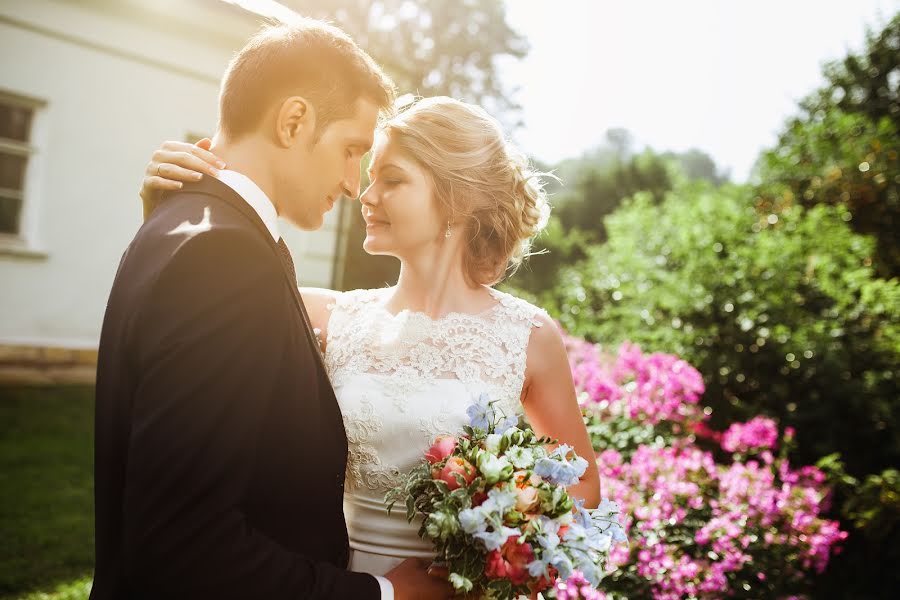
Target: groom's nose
[350, 184]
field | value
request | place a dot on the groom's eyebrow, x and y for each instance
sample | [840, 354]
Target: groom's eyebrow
[361, 144]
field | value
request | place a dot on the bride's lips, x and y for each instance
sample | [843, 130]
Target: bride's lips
[372, 222]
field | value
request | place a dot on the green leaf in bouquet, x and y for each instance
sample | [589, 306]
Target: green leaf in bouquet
[410, 509]
[441, 486]
[475, 486]
[460, 496]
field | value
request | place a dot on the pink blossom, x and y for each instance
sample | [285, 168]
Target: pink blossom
[757, 433]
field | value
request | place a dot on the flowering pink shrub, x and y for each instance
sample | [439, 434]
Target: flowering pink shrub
[656, 390]
[747, 528]
[759, 433]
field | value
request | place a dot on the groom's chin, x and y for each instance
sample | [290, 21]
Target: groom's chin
[306, 222]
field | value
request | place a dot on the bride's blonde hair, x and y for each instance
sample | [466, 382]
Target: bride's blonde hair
[478, 178]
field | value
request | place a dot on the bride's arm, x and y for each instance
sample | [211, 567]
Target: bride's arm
[317, 301]
[551, 406]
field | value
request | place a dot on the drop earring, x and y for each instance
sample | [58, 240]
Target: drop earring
[447, 233]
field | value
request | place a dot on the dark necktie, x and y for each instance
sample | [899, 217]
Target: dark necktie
[286, 259]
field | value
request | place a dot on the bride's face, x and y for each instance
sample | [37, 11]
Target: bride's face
[402, 217]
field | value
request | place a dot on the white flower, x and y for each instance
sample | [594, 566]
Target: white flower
[521, 458]
[492, 443]
[494, 468]
[500, 501]
[472, 520]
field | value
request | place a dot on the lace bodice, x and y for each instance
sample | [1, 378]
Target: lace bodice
[403, 379]
[412, 376]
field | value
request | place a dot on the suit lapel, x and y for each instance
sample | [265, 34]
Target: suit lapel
[213, 187]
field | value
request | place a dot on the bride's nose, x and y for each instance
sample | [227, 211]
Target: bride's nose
[367, 198]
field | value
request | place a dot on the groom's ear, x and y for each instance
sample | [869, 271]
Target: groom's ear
[295, 121]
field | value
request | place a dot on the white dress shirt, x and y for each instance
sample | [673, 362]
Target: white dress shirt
[257, 199]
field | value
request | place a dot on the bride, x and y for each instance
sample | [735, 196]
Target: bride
[457, 205]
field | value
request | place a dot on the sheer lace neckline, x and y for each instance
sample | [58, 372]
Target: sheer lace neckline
[406, 313]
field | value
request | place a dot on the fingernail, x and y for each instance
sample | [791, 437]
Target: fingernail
[197, 176]
[213, 172]
[178, 184]
[220, 164]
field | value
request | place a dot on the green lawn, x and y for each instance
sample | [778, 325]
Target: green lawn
[46, 506]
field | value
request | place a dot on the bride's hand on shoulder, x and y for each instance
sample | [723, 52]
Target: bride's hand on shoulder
[172, 165]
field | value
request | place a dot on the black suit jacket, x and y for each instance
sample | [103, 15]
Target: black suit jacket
[220, 450]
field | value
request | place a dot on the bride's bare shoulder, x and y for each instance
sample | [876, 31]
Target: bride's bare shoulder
[318, 303]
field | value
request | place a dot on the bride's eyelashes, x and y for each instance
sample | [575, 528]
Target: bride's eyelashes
[388, 183]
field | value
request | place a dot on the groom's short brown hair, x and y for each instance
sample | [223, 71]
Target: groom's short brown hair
[305, 58]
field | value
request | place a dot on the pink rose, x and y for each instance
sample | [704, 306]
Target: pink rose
[526, 499]
[510, 562]
[457, 466]
[526, 493]
[443, 446]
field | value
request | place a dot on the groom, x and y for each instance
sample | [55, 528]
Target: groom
[220, 450]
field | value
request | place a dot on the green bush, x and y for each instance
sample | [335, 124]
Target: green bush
[832, 157]
[782, 313]
[843, 145]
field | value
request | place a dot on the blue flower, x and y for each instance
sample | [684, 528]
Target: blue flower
[546, 533]
[562, 563]
[606, 519]
[559, 470]
[539, 568]
[507, 424]
[481, 414]
[582, 516]
[557, 473]
[591, 571]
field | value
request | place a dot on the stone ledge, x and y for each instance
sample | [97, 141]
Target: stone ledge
[42, 365]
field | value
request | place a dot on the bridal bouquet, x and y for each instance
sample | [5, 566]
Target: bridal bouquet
[494, 505]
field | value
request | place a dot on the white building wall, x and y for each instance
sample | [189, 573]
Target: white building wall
[116, 79]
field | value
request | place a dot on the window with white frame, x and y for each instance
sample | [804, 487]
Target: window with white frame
[16, 150]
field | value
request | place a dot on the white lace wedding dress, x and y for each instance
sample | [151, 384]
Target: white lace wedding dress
[401, 380]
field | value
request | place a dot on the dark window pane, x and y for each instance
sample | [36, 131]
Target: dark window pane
[10, 209]
[15, 122]
[12, 170]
